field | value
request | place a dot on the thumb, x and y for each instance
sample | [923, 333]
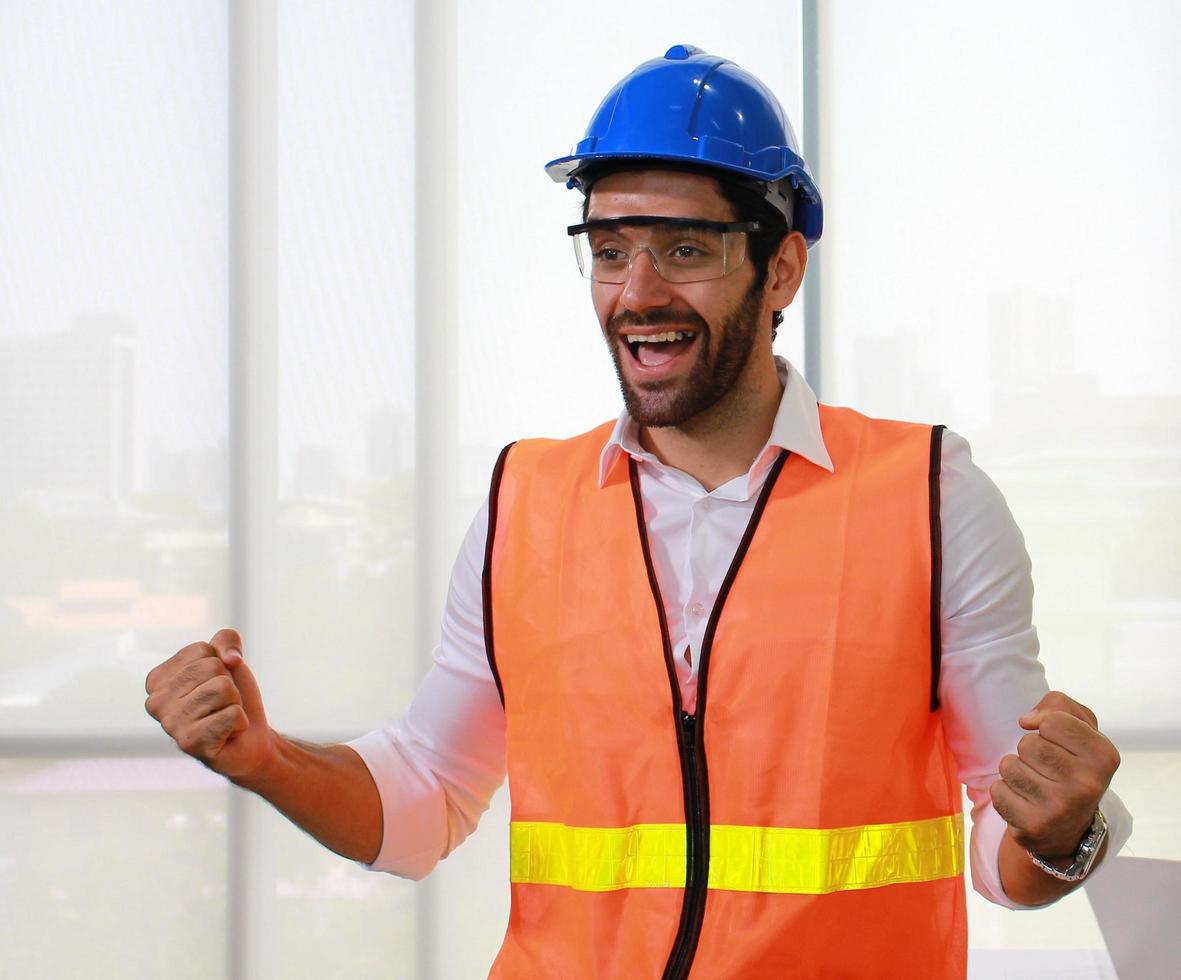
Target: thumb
[1031, 721]
[1057, 701]
[243, 678]
[228, 645]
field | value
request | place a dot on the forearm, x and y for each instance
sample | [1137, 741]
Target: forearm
[326, 790]
[1025, 883]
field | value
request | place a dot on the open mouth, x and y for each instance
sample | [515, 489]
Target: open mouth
[653, 350]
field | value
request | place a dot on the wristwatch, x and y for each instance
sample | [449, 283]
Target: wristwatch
[1084, 857]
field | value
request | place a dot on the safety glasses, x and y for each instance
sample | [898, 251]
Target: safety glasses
[681, 249]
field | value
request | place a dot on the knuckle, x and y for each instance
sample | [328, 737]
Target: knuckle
[1055, 701]
[201, 741]
[1057, 765]
[1054, 720]
[217, 728]
[194, 651]
[226, 688]
[223, 725]
[180, 666]
[1064, 703]
[1048, 757]
[1018, 779]
[201, 670]
[189, 741]
[1004, 806]
[204, 697]
[1058, 725]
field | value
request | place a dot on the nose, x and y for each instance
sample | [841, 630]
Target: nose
[645, 288]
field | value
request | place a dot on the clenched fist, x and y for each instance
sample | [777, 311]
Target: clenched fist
[1048, 791]
[207, 699]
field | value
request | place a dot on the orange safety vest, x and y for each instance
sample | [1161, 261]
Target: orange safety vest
[807, 822]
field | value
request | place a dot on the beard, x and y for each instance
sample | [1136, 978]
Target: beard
[674, 402]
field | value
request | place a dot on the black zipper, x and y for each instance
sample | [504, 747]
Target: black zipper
[696, 851]
[690, 732]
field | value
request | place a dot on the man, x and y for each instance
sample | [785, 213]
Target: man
[737, 651]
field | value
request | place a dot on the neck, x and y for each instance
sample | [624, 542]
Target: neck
[723, 441]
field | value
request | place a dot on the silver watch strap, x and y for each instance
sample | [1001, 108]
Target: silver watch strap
[1084, 857]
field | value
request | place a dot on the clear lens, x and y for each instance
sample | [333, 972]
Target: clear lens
[679, 254]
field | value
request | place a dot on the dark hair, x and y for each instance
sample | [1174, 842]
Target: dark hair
[750, 205]
[747, 201]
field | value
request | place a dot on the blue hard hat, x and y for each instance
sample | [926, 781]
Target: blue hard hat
[697, 108]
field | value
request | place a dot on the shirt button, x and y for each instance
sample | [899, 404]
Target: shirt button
[697, 609]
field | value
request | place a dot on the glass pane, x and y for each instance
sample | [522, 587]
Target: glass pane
[1001, 257]
[315, 914]
[345, 659]
[113, 388]
[112, 868]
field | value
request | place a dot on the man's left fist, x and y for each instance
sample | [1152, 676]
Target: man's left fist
[1048, 791]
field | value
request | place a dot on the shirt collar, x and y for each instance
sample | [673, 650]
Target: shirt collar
[796, 429]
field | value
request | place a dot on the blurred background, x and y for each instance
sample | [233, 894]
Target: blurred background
[278, 280]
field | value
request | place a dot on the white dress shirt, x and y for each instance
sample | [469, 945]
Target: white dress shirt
[438, 768]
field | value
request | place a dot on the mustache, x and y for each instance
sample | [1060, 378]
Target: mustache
[655, 318]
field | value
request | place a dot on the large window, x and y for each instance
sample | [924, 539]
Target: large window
[280, 279]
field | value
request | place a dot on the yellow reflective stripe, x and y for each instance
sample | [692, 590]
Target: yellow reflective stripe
[753, 859]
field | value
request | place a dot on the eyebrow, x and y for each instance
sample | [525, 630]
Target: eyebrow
[652, 220]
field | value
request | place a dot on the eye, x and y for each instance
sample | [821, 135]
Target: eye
[690, 253]
[608, 253]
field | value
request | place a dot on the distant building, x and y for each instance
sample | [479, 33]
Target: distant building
[67, 400]
[200, 476]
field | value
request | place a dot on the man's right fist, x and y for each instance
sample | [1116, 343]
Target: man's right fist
[207, 699]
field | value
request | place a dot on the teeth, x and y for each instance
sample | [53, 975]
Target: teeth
[661, 338]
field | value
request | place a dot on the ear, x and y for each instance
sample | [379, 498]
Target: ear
[786, 271]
